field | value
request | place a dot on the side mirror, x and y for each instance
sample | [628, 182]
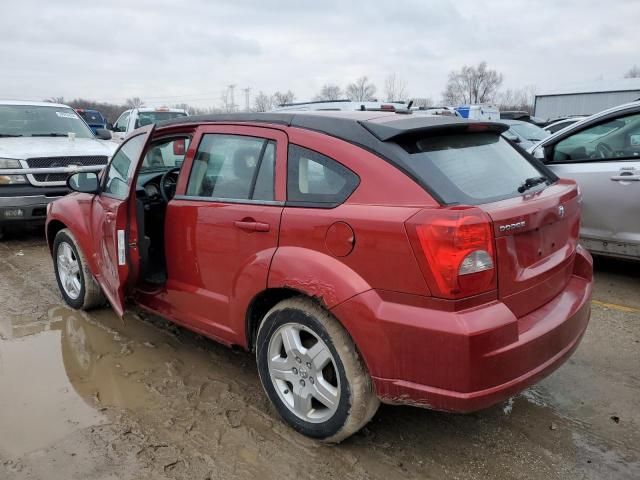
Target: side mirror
[84, 182]
[103, 134]
[109, 126]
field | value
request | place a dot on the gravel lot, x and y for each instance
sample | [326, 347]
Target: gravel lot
[88, 396]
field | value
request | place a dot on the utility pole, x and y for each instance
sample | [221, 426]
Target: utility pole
[233, 101]
[246, 98]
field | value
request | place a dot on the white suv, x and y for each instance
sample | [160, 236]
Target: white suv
[129, 120]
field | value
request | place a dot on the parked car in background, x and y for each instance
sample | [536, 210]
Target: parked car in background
[363, 256]
[40, 145]
[446, 111]
[339, 105]
[94, 119]
[523, 133]
[558, 124]
[129, 120]
[602, 153]
[522, 116]
[478, 112]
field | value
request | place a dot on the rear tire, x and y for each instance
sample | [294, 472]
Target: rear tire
[76, 282]
[312, 371]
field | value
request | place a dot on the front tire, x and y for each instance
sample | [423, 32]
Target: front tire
[312, 372]
[77, 285]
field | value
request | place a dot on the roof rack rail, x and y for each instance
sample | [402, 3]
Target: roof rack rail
[312, 102]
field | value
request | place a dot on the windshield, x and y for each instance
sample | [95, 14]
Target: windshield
[92, 118]
[470, 168]
[34, 121]
[529, 131]
[147, 118]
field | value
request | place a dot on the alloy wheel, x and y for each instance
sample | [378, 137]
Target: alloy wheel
[304, 373]
[69, 270]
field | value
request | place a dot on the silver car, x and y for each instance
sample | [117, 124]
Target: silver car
[602, 153]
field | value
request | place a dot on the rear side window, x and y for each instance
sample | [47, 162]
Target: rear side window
[314, 179]
[470, 168]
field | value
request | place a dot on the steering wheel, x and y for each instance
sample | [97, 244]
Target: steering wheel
[168, 184]
[604, 151]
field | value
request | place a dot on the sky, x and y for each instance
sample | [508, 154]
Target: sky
[169, 52]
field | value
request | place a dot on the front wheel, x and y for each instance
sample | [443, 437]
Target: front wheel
[312, 372]
[77, 285]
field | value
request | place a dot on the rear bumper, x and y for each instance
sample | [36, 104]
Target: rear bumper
[471, 359]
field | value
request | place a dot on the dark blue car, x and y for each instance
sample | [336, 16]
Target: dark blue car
[93, 118]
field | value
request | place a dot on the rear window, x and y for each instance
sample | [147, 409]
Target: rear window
[92, 117]
[147, 118]
[470, 168]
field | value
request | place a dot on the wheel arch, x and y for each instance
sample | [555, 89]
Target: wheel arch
[260, 305]
[53, 227]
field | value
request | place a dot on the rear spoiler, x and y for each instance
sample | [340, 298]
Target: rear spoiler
[388, 131]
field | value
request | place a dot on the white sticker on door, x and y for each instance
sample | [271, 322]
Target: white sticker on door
[121, 252]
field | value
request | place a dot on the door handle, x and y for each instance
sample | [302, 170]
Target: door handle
[109, 216]
[262, 227]
[626, 177]
[252, 226]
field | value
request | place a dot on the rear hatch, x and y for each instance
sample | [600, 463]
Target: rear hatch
[479, 177]
[535, 241]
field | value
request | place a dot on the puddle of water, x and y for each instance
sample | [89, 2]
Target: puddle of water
[38, 403]
[56, 375]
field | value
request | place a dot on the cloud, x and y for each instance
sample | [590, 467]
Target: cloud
[172, 51]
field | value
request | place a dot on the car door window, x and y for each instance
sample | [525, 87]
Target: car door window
[613, 139]
[121, 123]
[233, 167]
[314, 179]
[118, 177]
[165, 153]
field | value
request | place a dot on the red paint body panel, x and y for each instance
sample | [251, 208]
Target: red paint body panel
[381, 249]
[467, 360]
[215, 269]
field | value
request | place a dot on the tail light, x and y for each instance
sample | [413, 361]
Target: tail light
[455, 249]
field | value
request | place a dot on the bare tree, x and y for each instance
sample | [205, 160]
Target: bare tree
[424, 102]
[55, 100]
[262, 102]
[633, 72]
[329, 91]
[361, 90]
[472, 85]
[517, 99]
[134, 102]
[395, 89]
[280, 98]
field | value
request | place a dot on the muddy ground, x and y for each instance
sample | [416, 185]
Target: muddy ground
[86, 396]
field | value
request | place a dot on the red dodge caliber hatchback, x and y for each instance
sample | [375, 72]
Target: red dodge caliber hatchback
[363, 257]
